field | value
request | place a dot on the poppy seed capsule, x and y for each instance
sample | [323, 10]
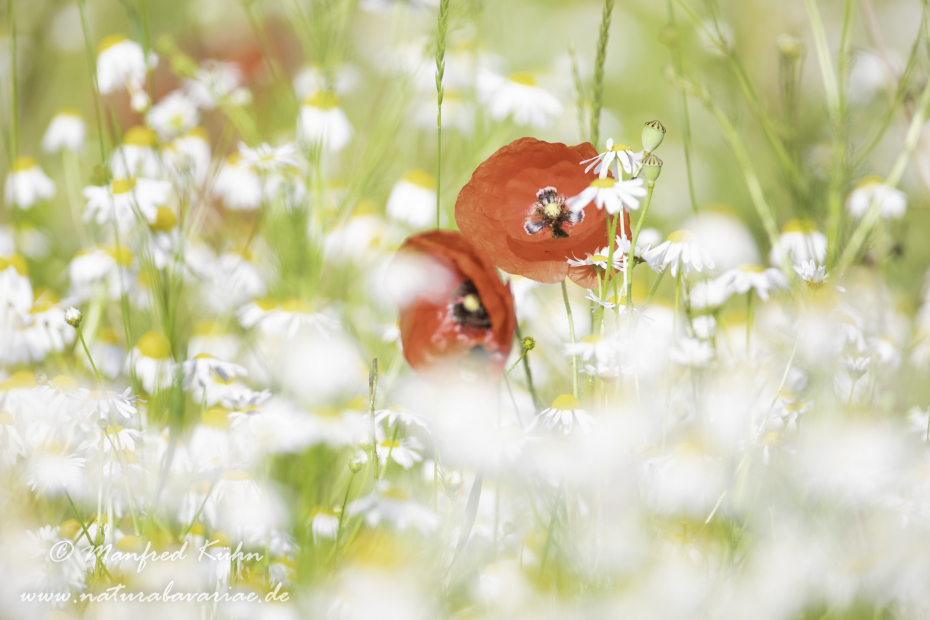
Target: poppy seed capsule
[652, 168]
[653, 134]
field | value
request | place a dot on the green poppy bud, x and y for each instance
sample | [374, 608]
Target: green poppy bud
[653, 134]
[652, 167]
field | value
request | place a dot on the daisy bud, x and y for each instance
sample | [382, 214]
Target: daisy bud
[355, 465]
[528, 344]
[73, 317]
[789, 46]
[653, 134]
[652, 167]
[41, 378]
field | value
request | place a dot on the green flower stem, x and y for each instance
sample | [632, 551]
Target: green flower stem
[529, 374]
[342, 514]
[89, 357]
[549, 530]
[630, 262]
[92, 67]
[749, 316]
[372, 392]
[80, 521]
[387, 460]
[608, 269]
[675, 48]
[655, 287]
[571, 333]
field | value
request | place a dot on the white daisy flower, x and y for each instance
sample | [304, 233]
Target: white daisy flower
[324, 524]
[312, 79]
[322, 122]
[692, 352]
[679, 251]
[286, 318]
[66, 132]
[392, 505]
[200, 369]
[400, 414]
[15, 286]
[756, 277]
[151, 361]
[238, 185]
[106, 265]
[215, 82]
[121, 63]
[267, 158]
[519, 97]
[101, 404]
[708, 295]
[51, 469]
[564, 415]
[609, 194]
[615, 157]
[610, 303]
[812, 273]
[593, 347]
[704, 326]
[120, 199]
[892, 203]
[188, 157]
[27, 184]
[11, 442]
[403, 452]
[801, 241]
[137, 156]
[413, 199]
[174, 115]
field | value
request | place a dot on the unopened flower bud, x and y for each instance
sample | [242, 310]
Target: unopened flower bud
[789, 46]
[528, 344]
[355, 465]
[653, 134]
[652, 167]
[73, 317]
[41, 378]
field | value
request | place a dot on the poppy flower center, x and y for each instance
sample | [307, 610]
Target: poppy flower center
[467, 309]
[550, 212]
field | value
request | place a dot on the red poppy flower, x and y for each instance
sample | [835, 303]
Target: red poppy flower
[513, 210]
[455, 313]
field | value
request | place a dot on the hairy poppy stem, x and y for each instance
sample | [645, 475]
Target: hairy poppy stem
[571, 334]
[372, 391]
[630, 262]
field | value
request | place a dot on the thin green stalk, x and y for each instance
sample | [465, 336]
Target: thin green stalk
[630, 263]
[197, 514]
[14, 79]
[597, 102]
[655, 287]
[571, 333]
[80, 521]
[529, 373]
[387, 460]
[608, 270]
[440, 70]
[677, 60]
[342, 513]
[749, 317]
[830, 84]
[89, 357]
[894, 177]
[372, 392]
[92, 67]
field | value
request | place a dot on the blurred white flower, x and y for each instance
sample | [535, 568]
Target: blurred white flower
[708, 295]
[27, 184]
[692, 352]
[66, 132]
[216, 82]
[324, 524]
[238, 185]
[404, 452]
[174, 115]
[266, 158]
[121, 63]
[322, 122]
[413, 199]
[519, 97]
[565, 414]
[891, 202]
[755, 277]
[801, 241]
[122, 199]
[812, 273]
[286, 318]
[137, 156]
[151, 361]
[390, 504]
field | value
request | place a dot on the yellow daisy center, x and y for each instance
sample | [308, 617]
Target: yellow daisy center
[566, 402]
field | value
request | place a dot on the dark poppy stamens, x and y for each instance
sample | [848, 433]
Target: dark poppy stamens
[467, 309]
[549, 211]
